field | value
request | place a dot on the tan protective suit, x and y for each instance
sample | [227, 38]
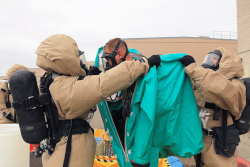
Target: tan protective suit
[4, 96]
[74, 98]
[215, 87]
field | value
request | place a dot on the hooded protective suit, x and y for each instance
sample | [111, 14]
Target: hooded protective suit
[223, 88]
[74, 98]
[6, 111]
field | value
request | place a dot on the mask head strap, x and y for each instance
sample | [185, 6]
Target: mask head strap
[114, 53]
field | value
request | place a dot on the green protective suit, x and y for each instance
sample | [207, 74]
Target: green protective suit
[164, 117]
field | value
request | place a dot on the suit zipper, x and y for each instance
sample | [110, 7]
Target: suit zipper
[125, 131]
[124, 152]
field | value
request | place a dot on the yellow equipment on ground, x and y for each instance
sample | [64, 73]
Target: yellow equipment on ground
[110, 161]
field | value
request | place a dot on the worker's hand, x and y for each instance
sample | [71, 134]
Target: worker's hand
[154, 60]
[94, 70]
[139, 165]
[186, 60]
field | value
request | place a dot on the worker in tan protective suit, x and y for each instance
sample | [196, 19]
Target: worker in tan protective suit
[7, 115]
[75, 95]
[217, 87]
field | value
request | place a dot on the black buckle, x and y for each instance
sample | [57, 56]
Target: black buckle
[31, 103]
[3, 90]
[8, 116]
[208, 132]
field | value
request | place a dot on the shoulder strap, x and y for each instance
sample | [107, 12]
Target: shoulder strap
[45, 82]
[198, 160]
[8, 104]
[50, 108]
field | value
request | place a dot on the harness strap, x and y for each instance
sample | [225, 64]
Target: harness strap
[8, 104]
[216, 116]
[224, 129]
[198, 160]
[30, 103]
[68, 147]
[69, 128]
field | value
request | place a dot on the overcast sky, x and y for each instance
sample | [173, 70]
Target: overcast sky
[25, 24]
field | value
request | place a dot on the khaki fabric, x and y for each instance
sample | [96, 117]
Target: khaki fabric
[82, 152]
[74, 98]
[215, 87]
[59, 53]
[230, 64]
[210, 159]
[15, 68]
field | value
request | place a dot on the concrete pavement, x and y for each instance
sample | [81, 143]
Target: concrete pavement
[244, 146]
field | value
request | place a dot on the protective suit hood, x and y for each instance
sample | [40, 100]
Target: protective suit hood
[230, 64]
[15, 68]
[59, 53]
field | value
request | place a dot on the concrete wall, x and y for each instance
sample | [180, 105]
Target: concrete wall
[197, 47]
[243, 23]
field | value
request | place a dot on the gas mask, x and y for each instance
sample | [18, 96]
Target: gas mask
[83, 62]
[82, 59]
[112, 55]
[212, 60]
[106, 66]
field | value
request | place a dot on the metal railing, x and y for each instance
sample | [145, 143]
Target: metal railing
[225, 34]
